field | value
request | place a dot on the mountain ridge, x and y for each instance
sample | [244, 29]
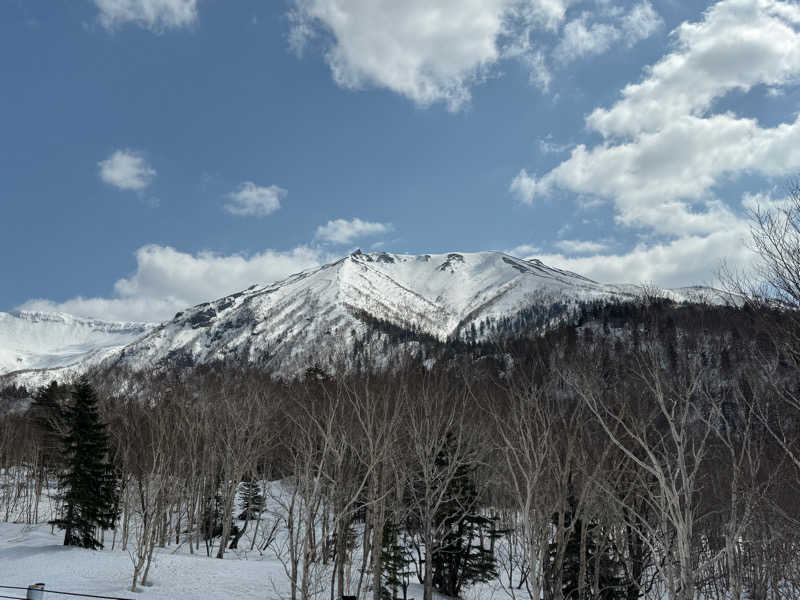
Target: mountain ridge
[328, 312]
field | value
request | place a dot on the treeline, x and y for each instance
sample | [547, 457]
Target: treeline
[644, 451]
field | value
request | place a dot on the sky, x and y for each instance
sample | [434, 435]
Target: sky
[155, 154]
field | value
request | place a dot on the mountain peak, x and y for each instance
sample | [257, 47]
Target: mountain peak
[329, 313]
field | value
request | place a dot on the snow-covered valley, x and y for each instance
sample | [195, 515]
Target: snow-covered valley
[31, 341]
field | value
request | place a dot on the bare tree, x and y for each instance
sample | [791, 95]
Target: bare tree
[525, 432]
[665, 433]
[145, 451]
[438, 424]
[241, 411]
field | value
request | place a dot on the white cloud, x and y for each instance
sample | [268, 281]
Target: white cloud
[523, 250]
[341, 231]
[766, 202]
[582, 38]
[640, 23]
[689, 260]
[126, 170]
[253, 200]
[580, 246]
[435, 52]
[155, 15]
[167, 280]
[548, 146]
[538, 72]
[427, 51]
[663, 179]
[664, 149]
[738, 44]
[525, 187]
[546, 13]
[585, 36]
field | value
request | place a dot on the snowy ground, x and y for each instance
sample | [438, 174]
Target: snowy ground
[30, 554]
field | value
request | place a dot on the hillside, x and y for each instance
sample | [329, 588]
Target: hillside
[329, 315]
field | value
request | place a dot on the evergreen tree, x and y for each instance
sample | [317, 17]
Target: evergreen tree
[463, 557]
[211, 519]
[252, 499]
[396, 560]
[610, 583]
[89, 487]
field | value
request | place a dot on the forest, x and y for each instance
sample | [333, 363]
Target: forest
[640, 449]
[651, 451]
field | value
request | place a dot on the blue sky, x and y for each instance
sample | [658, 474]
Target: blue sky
[159, 153]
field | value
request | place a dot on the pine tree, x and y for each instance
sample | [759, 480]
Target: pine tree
[211, 519]
[90, 493]
[252, 499]
[599, 564]
[463, 557]
[396, 560]
[252, 505]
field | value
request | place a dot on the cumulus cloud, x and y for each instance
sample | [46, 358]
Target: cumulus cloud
[155, 15]
[664, 149]
[167, 280]
[435, 52]
[341, 231]
[675, 263]
[126, 170]
[427, 51]
[737, 45]
[254, 200]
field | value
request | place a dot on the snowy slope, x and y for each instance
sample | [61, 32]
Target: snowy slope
[37, 340]
[30, 554]
[319, 315]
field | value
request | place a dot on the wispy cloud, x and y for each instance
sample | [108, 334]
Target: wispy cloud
[155, 15]
[591, 34]
[524, 187]
[341, 231]
[523, 250]
[581, 246]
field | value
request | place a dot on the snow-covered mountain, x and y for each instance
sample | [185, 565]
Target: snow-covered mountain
[31, 341]
[323, 315]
